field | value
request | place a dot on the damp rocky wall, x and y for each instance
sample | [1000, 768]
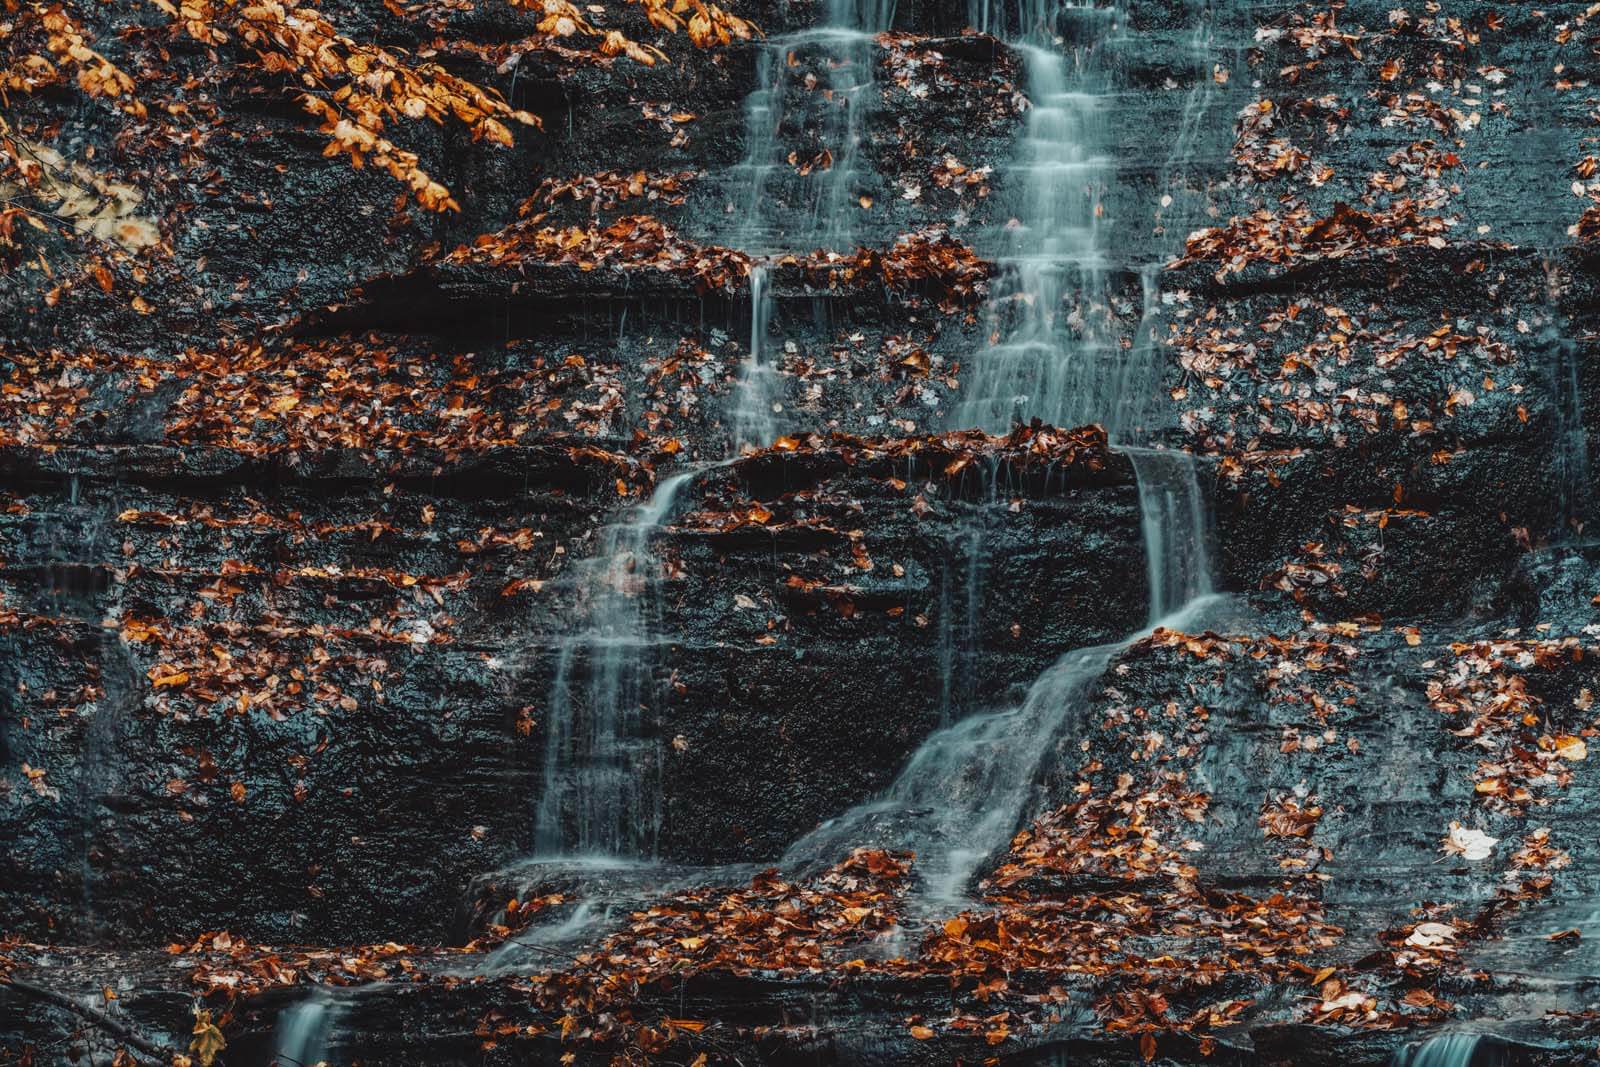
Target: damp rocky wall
[288, 554]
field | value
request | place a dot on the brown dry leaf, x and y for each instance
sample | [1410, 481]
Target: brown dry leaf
[1571, 748]
[207, 1041]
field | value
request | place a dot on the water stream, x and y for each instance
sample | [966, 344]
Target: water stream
[968, 786]
[1451, 1050]
[597, 796]
[813, 90]
[1049, 352]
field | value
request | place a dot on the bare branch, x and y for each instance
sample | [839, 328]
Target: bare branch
[122, 1031]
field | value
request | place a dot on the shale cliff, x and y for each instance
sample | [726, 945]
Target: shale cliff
[908, 534]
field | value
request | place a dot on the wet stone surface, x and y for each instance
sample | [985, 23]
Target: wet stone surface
[422, 635]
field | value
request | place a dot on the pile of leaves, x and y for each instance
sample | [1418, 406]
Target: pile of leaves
[304, 397]
[1320, 370]
[1035, 446]
[1103, 887]
[271, 668]
[1296, 236]
[1424, 81]
[633, 242]
[918, 260]
[799, 465]
[604, 191]
[1486, 694]
[773, 926]
[916, 66]
[225, 965]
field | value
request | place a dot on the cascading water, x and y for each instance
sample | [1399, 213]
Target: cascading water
[816, 81]
[1049, 350]
[1451, 1050]
[827, 70]
[595, 799]
[969, 785]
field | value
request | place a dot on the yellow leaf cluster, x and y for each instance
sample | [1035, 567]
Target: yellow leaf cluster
[355, 90]
[97, 75]
[62, 38]
[706, 24]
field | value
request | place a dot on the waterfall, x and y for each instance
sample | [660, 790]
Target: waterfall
[755, 399]
[968, 786]
[826, 68]
[1451, 1050]
[1173, 510]
[596, 765]
[1046, 359]
[304, 1029]
[598, 796]
[812, 199]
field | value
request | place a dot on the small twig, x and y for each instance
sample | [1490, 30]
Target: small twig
[534, 947]
[115, 1027]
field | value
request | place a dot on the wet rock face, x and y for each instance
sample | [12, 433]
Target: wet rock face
[287, 680]
[828, 641]
[300, 616]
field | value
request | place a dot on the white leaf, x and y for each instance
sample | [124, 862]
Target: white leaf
[1469, 844]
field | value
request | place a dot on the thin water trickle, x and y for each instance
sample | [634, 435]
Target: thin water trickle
[596, 796]
[960, 603]
[968, 786]
[1451, 1050]
[1571, 445]
[753, 424]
